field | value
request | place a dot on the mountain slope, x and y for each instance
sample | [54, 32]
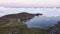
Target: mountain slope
[21, 15]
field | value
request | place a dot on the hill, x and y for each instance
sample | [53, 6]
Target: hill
[21, 15]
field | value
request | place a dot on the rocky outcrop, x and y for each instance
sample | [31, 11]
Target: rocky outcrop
[55, 29]
[21, 15]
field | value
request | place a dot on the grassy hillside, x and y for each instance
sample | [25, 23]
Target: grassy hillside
[12, 26]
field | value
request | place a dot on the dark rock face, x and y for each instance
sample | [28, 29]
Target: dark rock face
[55, 29]
[38, 14]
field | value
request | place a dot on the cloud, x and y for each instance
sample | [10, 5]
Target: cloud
[45, 11]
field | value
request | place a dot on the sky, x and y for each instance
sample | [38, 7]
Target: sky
[16, 6]
[30, 3]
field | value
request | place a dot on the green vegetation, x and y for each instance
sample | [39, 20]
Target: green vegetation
[15, 27]
[39, 31]
[4, 21]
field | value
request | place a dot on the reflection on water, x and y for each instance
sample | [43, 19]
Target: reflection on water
[42, 21]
